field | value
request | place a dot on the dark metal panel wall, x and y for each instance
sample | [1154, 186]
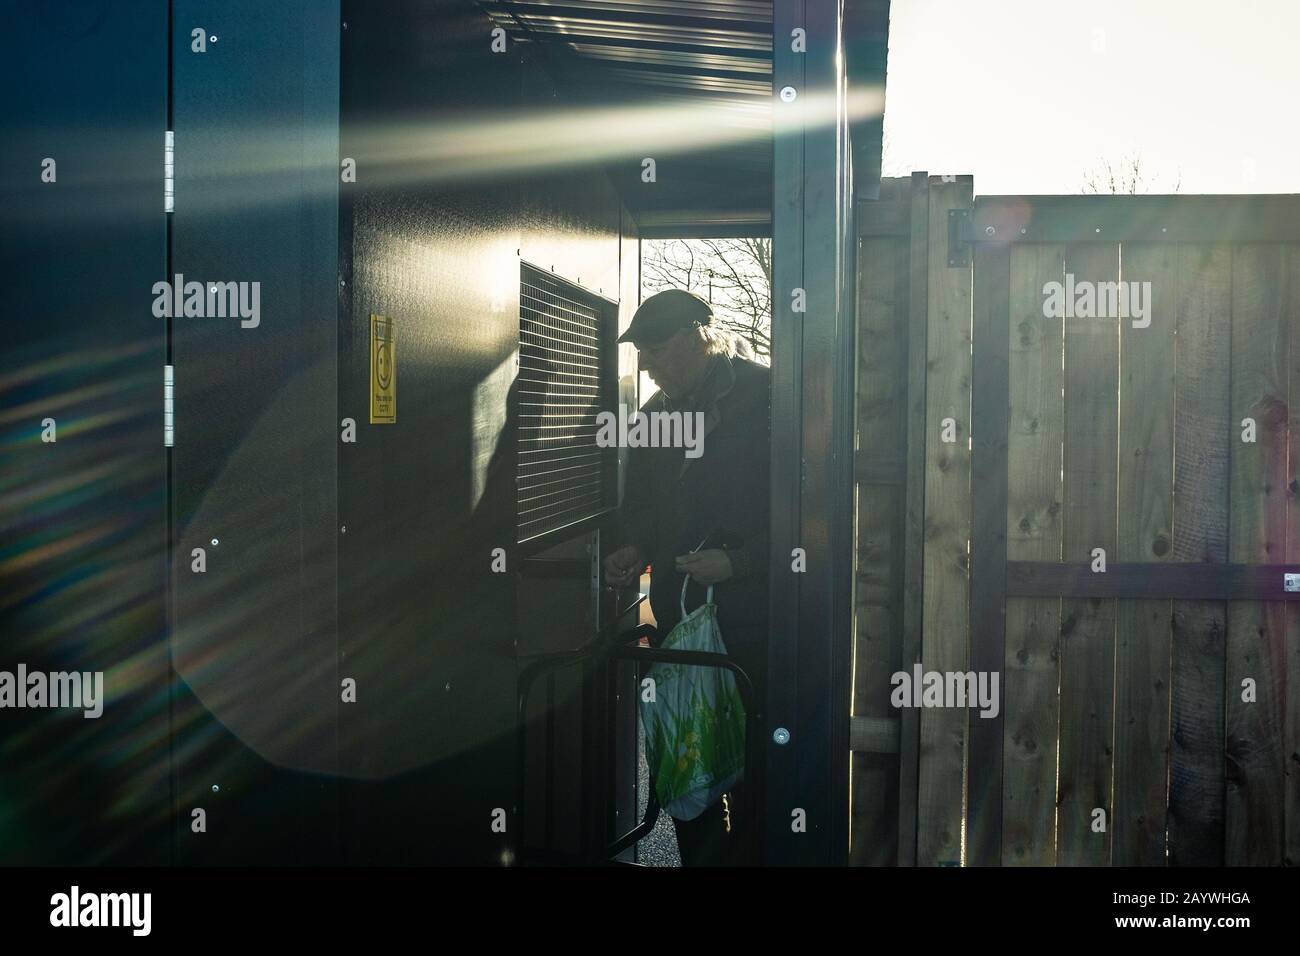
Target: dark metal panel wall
[569, 222]
[82, 519]
[257, 431]
[428, 632]
[427, 628]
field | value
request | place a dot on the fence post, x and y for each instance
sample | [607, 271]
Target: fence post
[990, 407]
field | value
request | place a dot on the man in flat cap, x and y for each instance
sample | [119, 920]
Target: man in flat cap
[705, 517]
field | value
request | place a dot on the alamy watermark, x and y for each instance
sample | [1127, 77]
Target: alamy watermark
[212, 300]
[35, 689]
[1098, 300]
[74, 908]
[946, 689]
[651, 430]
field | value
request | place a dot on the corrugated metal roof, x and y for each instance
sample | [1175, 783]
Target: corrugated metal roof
[716, 47]
[707, 63]
[702, 66]
[742, 28]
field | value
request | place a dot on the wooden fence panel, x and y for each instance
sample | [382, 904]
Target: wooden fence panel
[1164, 692]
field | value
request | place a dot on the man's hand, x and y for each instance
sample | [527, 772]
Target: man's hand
[624, 566]
[706, 567]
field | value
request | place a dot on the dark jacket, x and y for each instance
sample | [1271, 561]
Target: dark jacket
[673, 503]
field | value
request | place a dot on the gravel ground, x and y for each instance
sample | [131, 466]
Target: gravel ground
[660, 847]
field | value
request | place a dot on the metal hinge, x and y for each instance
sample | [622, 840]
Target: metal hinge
[169, 384]
[169, 171]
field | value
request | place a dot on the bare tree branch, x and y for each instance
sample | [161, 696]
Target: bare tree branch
[734, 275]
[1128, 177]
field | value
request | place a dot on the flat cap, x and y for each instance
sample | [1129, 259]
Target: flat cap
[665, 313]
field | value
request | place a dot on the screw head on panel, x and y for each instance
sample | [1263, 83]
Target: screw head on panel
[788, 94]
[781, 736]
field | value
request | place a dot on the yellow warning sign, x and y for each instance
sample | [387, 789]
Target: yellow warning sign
[383, 372]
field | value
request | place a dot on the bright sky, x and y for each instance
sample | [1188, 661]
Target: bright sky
[1029, 96]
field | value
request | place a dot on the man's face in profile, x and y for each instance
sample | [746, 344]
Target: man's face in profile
[667, 361]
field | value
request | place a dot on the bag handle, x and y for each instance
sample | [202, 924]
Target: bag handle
[708, 596]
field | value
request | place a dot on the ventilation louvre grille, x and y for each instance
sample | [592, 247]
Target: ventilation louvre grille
[563, 476]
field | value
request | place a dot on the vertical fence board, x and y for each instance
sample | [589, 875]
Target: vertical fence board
[1257, 529]
[873, 818]
[881, 389]
[990, 410]
[1290, 298]
[1089, 521]
[881, 347]
[918, 282]
[1035, 431]
[1146, 491]
[941, 785]
[1202, 428]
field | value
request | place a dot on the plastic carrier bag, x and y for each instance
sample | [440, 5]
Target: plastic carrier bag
[695, 726]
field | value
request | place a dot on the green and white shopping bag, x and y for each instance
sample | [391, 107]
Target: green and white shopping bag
[695, 724]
